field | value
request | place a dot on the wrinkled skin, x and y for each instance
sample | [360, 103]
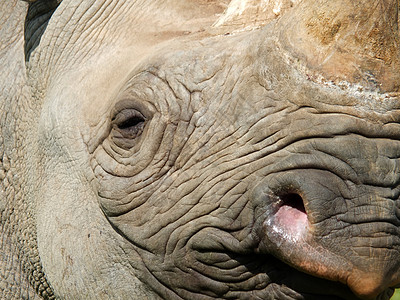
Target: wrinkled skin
[144, 155]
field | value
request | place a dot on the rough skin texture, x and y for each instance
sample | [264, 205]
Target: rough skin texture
[199, 149]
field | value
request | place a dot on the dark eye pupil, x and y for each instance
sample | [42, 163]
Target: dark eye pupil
[131, 123]
[131, 127]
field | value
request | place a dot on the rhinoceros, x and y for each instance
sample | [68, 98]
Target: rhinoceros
[199, 149]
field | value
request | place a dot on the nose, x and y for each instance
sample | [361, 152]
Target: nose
[298, 219]
[293, 203]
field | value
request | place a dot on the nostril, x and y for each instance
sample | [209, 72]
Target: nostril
[291, 205]
[291, 217]
[293, 200]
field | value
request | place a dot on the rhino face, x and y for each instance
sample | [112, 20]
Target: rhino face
[181, 163]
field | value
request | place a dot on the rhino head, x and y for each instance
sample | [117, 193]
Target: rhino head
[200, 149]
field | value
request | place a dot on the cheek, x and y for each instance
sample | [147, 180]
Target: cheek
[74, 238]
[65, 213]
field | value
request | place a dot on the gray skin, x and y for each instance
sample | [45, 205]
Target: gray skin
[145, 154]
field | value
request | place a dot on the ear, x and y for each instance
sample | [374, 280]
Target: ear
[37, 18]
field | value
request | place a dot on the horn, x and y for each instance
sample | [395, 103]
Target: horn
[252, 13]
[345, 40]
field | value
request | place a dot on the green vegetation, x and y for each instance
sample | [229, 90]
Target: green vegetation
[396, 295]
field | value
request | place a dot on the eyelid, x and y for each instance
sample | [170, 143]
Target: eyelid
[127, 114]
[144, 109]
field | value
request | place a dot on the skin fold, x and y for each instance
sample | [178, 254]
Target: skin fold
[199, 149]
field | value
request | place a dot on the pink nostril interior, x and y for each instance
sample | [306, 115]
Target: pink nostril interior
[291, 217]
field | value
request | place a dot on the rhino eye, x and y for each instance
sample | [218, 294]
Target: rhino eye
[127, 125]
